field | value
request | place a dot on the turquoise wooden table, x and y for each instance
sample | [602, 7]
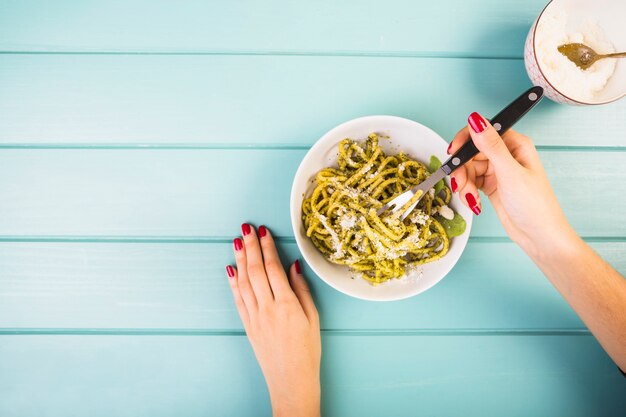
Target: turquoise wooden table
[135, 137]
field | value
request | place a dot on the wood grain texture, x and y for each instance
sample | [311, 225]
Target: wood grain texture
[256, 26]
[267, 100]
[200, 193]
[183, 286]
[361, 376]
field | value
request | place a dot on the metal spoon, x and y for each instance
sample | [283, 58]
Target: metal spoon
[583, 56]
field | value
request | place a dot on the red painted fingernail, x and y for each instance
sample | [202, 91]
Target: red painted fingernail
[476, 122]
[453, 184]
[245, 228]
[471, 201]
[230, 271]
[449, 146]
[238, 244]
[297, 265]
[262, 231]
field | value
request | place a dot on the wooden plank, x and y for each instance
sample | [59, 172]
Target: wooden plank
[256, 26]
[136, 376]
[183, 286]
[210, 192]
[267, 100]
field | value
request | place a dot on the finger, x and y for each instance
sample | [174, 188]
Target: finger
[489, 142]
[458, 178]
[243, 281]
[469, 193]
[522, 148]
[273, 267]
[479, 182]
[459, 140]
[239, 303]
[301, 289]
[480, 168]
[481, 165]
[256, 268]
[489, 185]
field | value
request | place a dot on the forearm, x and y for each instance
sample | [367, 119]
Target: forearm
[595, 290]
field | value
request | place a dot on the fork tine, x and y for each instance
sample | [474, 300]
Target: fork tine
[395, 204]
[388, 206]
[408, 211]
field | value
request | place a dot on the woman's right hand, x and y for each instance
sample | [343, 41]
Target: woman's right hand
[508, 170]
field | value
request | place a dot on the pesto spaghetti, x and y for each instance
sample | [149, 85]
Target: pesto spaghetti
[340, 214]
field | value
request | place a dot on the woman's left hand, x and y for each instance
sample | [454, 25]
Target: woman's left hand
[281, 321]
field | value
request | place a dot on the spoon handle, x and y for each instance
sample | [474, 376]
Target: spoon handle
[615, 55]
[502, 122]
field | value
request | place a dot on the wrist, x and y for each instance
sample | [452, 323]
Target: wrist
[296, 401]
[557, 247]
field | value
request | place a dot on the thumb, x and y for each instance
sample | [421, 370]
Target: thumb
[489, 142]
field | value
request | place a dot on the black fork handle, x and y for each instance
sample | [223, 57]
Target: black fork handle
[502, 122]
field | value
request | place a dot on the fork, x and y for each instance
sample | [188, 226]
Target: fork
[502, 122]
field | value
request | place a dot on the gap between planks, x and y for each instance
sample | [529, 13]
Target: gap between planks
[325, 332]
[247, 146]
[228, 239]
[279, 52]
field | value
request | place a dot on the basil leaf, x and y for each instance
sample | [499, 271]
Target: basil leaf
[454, 227]
[439, 187]
[433, 166]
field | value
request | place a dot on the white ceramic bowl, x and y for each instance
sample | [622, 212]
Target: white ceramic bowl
[405, 135]
[609, 14]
